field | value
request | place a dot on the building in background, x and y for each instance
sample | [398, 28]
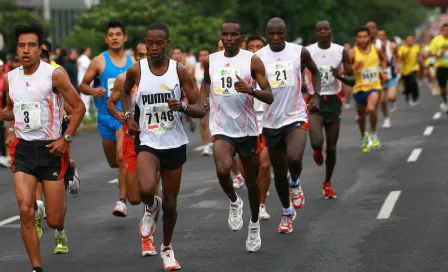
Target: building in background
[61, 13]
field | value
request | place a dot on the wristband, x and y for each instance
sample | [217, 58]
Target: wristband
[128, 115]
[10, 129]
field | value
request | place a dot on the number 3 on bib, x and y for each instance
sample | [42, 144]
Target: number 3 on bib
[224, 81]
[159, 117]
[27, 116]
[280, 74]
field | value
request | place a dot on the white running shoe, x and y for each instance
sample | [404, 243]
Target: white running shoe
[147, 224]
[169, 260]
[444, 107]
[263, 215]
[206, 151]
[253, 242]
[238, 181]
[236, 215]
[414, 103]
[347, 106]
[120, 209]
[4, 161]
[393, 106]
[75, 184]
[387, 123]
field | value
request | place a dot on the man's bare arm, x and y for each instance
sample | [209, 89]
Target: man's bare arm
[7, 113]
[195, 108]
[308, 62]
[116, 96]
[265, 94]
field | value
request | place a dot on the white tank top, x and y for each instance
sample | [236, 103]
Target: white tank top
[389, 55]
[285, 77]
[160, 127]
[325, 59]
[198, 74]
[231, 113]
[38, 111]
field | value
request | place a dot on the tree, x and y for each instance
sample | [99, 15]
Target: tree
[187, 28]
[11, 16]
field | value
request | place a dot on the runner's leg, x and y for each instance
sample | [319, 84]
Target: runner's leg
[251, 168]
[332, 135]
[223, 155]
[171, 180]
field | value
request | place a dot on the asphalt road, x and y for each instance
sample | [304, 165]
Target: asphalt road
[329, 235]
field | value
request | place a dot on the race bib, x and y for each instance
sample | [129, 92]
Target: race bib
[369, 75]
[280, 74]
[445, 57]
[110, 86]
[159, 117]
[224, 81]
[326, 76]
[27, 116]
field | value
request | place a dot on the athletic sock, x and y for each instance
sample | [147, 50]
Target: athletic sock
[38, 269]
[287, 211]
[294, 184]
[154, 206]
[123, 200]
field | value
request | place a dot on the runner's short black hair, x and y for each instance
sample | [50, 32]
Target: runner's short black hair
[233, 21]
[178, 48]
[32, 28]
[142, 41]
[159, 26]
[44, 54]
[256, 38]
[362, 29]
[204, 49]
[48, 45]
[444, 25]
[115, 24]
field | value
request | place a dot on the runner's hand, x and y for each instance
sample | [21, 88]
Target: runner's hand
[242, 87]
[174, 104]
[58, 147]
[133, 128]
[336, 73]
[10, 138]
[313, 103]
[120, 117]
[358, 65]
[99, 92]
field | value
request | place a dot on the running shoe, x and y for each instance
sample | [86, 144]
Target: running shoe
[387, 123]
[74, 184]
[318, 156]
[297, 196]
[120, 209]
[286, 222]
[238, 181]
[253, 242]
[365, 143]
[328, 191]
[206, 151]
[147, 224]
[263, 215]
[169, 260]
[148, 248]
[375, 140]
[236, 215]
[61, 243]
[38, 220]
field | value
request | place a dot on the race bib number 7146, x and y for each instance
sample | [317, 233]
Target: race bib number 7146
[159, 117]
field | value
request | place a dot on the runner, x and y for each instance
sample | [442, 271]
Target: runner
[330, 58]
[264, 173]
[366, 92]
[347, 89]
[286, 120]
[409, 54]
[228, 79]
[439, 49]
[40, 154]
[129, 155]
[160, 140]
[107, 66]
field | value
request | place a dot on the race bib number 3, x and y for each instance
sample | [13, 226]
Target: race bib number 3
[224, 81]
[326, 76]
[27, 116]
[159, 117]
[110, 86]
[280, 74]
[369, 75]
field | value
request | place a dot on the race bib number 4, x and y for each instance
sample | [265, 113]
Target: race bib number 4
[27, 116]
[369, 75]
[110, 86]
[159, 117]
[280, 74]
[326, 76]
[224, 81]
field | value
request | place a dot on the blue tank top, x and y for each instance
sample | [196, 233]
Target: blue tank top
[107, 80]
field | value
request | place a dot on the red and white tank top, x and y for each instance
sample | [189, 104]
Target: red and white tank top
[231, 113]
[38, 110]
[284, 75]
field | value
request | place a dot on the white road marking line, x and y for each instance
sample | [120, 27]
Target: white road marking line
[9, 220]
[388, 205]
[414, 155]
[113, 181]
[428, 130]
[437, 115]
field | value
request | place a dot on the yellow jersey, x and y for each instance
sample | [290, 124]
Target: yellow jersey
[55, 64]
[367, 77]
[436, 46]
[410, 63]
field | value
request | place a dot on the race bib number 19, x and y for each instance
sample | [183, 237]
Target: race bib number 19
[110, 86]
[159, 117]
[280, 74]
[224, 81]
[27, 116]
[369, 75]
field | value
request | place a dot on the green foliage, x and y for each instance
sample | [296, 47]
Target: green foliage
[11, 16]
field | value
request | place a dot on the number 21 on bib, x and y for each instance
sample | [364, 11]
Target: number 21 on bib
[224, 81]
[27, 116]
[159, 117]
[280, 74]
